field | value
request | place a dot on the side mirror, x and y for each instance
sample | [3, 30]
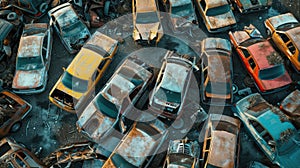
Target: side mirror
[64, 68]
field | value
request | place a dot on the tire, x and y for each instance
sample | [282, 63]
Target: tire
[15, 127]
[12, 16]
[43, 7]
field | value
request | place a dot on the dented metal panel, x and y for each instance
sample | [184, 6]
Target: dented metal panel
[28, 79]
[295, 36]
[101, 40]
[30, 46]
[291, 104]
[220, 21]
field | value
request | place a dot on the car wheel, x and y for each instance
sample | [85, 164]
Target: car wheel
[15, 127]
[12, 16]
[43, 7]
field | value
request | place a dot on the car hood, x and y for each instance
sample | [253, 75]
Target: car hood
[146, 29]
[282, 19]
[281, 81]
[247, 3]
[222, 20]
[28, 79]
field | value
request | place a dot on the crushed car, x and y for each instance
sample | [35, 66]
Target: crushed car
[76, 84]
[262, 62]
[172, 84]
[5, 48]
[221, 142]
[33, 59]
[217, 15]
[12, 110]
[284, 30]
[14, 155]
[69, 27]
[146, 21]
[124, 88]
[139, 146]
[182, 153]
[271, 129]
[247, 6]
[290, 105]
[216, 80]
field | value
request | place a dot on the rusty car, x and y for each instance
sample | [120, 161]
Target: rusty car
[284, 30]
[76, 84]
[216, 80]
[69, 27]
[146, 21]
[12, 110]
[33, 59]
[5, 48]
[217, 15]
[221, 142]
[290, 105]
[271, 129]
[14, 155]
[262, 62]
[183, 153]
[247, 6]
[172, 85]
[33, 8]
[127, 84]
[139, 146]
[181, 12]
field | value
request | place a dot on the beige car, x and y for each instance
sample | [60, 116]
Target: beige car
[217, 15]
[146, 21]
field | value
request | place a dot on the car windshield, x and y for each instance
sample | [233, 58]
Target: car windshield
[168, 95]
[119, 161]
[74, 83]
[29, 63]
[147, 17]
[183, 10]
[218, 10]
[272, 73]
[106, 107]
[179, 159]
[218, 88]
[287, 26]
[74, 27]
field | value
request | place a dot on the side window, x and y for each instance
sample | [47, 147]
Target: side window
[261, 131]
[284, 37]
[102, 64]
[252, 63]
[291, 47]
[44, 48]
[203, 4]
[20, 159]
[95, 75]
[245, 52]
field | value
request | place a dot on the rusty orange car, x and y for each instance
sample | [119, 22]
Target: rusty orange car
[290, 105]
[284, 30]
[264, 65]
[76, 84]
[12, 110]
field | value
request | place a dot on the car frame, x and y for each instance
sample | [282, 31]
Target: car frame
[35, 45]
[284, 30]
[69, 27]
[221, 146]
[17, 156]
[252, 6]
[262, 62]
[75, 86]
[146, 21]
[216, 22]
[175, 84]
[290, 105]
[216, 52]
[123, 90]
[273, 133]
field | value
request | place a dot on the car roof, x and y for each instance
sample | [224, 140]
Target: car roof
[216, 44]
[291, 103]
[264, 54]
[101, 40]
[216, 74]
[145, 6]
[282, 19]
[295, 35]
[30, 46]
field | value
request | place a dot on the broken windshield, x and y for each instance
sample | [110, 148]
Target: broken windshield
[106, 107]
[29, 63]
[74, 83]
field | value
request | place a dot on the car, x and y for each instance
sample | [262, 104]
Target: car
[139, 146]
[217, 15]
[252, 5]
[284, 30]
[146, 21]
[5, 48]
[171, 86]
[290, 105]
[183, 153]
[12, 110]
[69, 27]
[181, 12]
[76, 84]
[33, 59]
[216, 80]
[33, 8]
[221, 141]
[271, 130]
[127, 84]
[14, 155]
[262, 62]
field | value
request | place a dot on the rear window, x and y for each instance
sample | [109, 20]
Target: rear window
[4, 148]
[218, 10]
[106, 107]
[147, 17]
[272, 73]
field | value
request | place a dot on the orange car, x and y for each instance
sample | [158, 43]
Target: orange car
[12, 110]
[261, 60]
[285, 32]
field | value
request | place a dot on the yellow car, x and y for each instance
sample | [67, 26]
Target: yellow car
[78, 81]
[284, 30]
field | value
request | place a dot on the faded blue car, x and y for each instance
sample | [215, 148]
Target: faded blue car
[273, 132]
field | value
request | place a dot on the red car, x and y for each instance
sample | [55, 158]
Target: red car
[262, 62]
